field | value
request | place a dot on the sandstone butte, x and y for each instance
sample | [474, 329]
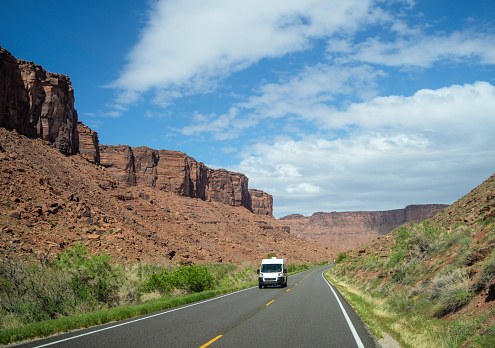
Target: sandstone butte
[60, 186]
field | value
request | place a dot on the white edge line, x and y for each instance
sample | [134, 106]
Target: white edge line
[143, 318]
[349, 322]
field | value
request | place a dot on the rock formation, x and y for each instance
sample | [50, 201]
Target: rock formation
[176, 172]
[261, 202]
[37, 103]
[348, 230]
[40, 104]
[50, 202]
[88, 143]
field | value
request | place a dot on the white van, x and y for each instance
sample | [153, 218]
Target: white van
[273, 272]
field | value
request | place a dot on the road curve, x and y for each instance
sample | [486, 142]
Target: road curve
[308, 313]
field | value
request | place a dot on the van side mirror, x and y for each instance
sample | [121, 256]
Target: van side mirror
[285, 270]
[258, 271]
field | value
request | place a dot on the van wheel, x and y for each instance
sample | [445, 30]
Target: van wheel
[261, 286]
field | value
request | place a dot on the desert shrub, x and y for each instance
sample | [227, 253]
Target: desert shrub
[396, 259]
[453, 290]
[33, 291]
[193, 278]
[340, 258]
[297, 268]
[459, 331]
[487, 272]
[371, 262]
[461, 235]
[487, 339]
[239, 275]
[400, 300]
[93, 278]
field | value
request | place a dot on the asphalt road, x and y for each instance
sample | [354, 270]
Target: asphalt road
[308, 313]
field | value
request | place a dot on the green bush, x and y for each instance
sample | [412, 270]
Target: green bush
[32, 291]
[194, 278]
[340, 258]
[162, 282]
[94, 279]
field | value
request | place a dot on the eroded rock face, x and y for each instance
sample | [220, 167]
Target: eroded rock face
[40, 104]
[49, 202]
[37, 103]
[118, 161]
[176, 172]
[88, 143]
[348, 230]
[261, 202]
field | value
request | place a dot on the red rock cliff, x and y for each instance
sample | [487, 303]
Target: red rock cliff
[37, 103]
[348, 230]
[176, 172]
[261, 202]
[88, 143]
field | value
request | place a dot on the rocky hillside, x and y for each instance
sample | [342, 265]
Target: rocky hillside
[442, 268]
[59, 186]
[348, 230]
[38, 103]
[49, 202]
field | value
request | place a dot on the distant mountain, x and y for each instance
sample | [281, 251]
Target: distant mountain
[348, 230]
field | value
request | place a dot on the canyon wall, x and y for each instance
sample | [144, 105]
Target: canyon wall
[176, 172]
[40, 104]
[37, 103]
[348, 230]
[261, 202]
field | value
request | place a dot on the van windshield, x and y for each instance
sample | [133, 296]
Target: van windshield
[271, 267]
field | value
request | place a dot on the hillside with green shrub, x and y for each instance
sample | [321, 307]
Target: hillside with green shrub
[77, 290]
[430, 284]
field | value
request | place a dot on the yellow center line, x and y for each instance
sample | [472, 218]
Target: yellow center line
[288, 290]
[308, 275]
[270, 302]
[210, 342]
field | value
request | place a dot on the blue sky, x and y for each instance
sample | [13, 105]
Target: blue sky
[328, 105]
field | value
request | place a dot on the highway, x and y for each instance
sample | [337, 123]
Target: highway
[308, 313]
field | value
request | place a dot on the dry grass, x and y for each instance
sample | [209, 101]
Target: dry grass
[409, 331]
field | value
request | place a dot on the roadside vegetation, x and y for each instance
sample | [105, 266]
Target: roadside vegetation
[77, 290]
[417, 284]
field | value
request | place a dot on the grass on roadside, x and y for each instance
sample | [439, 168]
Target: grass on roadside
[79, 290]
[49, 327]
[413, 328]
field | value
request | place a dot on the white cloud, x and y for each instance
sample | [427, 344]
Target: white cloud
[308, 93]
[307, 96]
[303, 188]
[418, 50]
[188, 44]
[404, 150]
[457, 109]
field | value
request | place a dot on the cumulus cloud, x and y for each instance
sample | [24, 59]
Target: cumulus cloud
[187, 45]
[323, 130]
[403, 149]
